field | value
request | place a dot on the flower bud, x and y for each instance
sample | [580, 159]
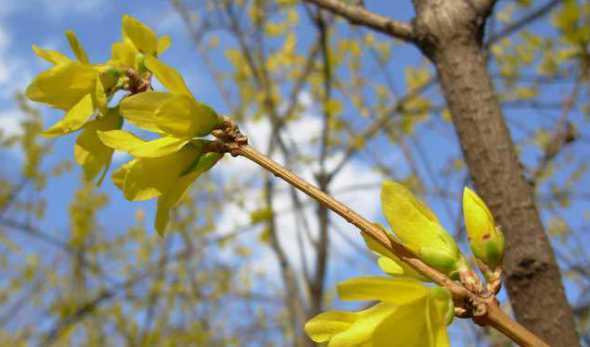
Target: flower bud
[485, 238]
[418, 228]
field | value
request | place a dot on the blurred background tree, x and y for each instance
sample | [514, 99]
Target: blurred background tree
[248, 259]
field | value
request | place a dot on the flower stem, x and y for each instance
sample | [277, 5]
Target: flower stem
[486, 310]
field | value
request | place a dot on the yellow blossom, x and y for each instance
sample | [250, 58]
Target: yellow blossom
[418, 229]
[408, 314]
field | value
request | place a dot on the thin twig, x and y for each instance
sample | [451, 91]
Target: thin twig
[359, 15]
[485, 310]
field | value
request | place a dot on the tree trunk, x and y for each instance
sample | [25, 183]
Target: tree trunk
[450, 34]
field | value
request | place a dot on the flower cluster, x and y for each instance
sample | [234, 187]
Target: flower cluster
[162, 167]
[410, 311]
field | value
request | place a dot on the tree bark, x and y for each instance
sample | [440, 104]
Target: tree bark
[450, 34]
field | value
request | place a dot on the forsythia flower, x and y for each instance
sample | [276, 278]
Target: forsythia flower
[138, 40]
[164, 167]
[389, 262]
[418, 229]
[166, 177]
[78, 88]
[485, 238]
[176, 114]
[409, 314]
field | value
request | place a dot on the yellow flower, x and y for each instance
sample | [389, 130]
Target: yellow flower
[138, 40]
[389, 262]
[409, 314]
[78, 88]
[418, 229]
[166, 177]
[485, 238]
[89, 151]
[178, 119]
[175, 114]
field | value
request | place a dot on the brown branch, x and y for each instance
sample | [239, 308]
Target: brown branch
[360, 16]
[522, 22]
[489, 312]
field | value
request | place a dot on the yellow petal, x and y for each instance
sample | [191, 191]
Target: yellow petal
[324, 326]
[120, 140]
[389, 266]
[64, 85]
[397, 291]
[147, 178]
[100, 99]
[124, 141]
[119, 175]
[441, 304]
[123, 54]
[174, 196]
[89, 151]
[163, 44]
[485, 238]
[182, 116]
[74, 119]
[140, 109]
[407, 327]
[142, 37]
[363, 331]
[412, 320]
[51, 56]
[77, 48]
[169, 77]
[389, 262]
[418, 228]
